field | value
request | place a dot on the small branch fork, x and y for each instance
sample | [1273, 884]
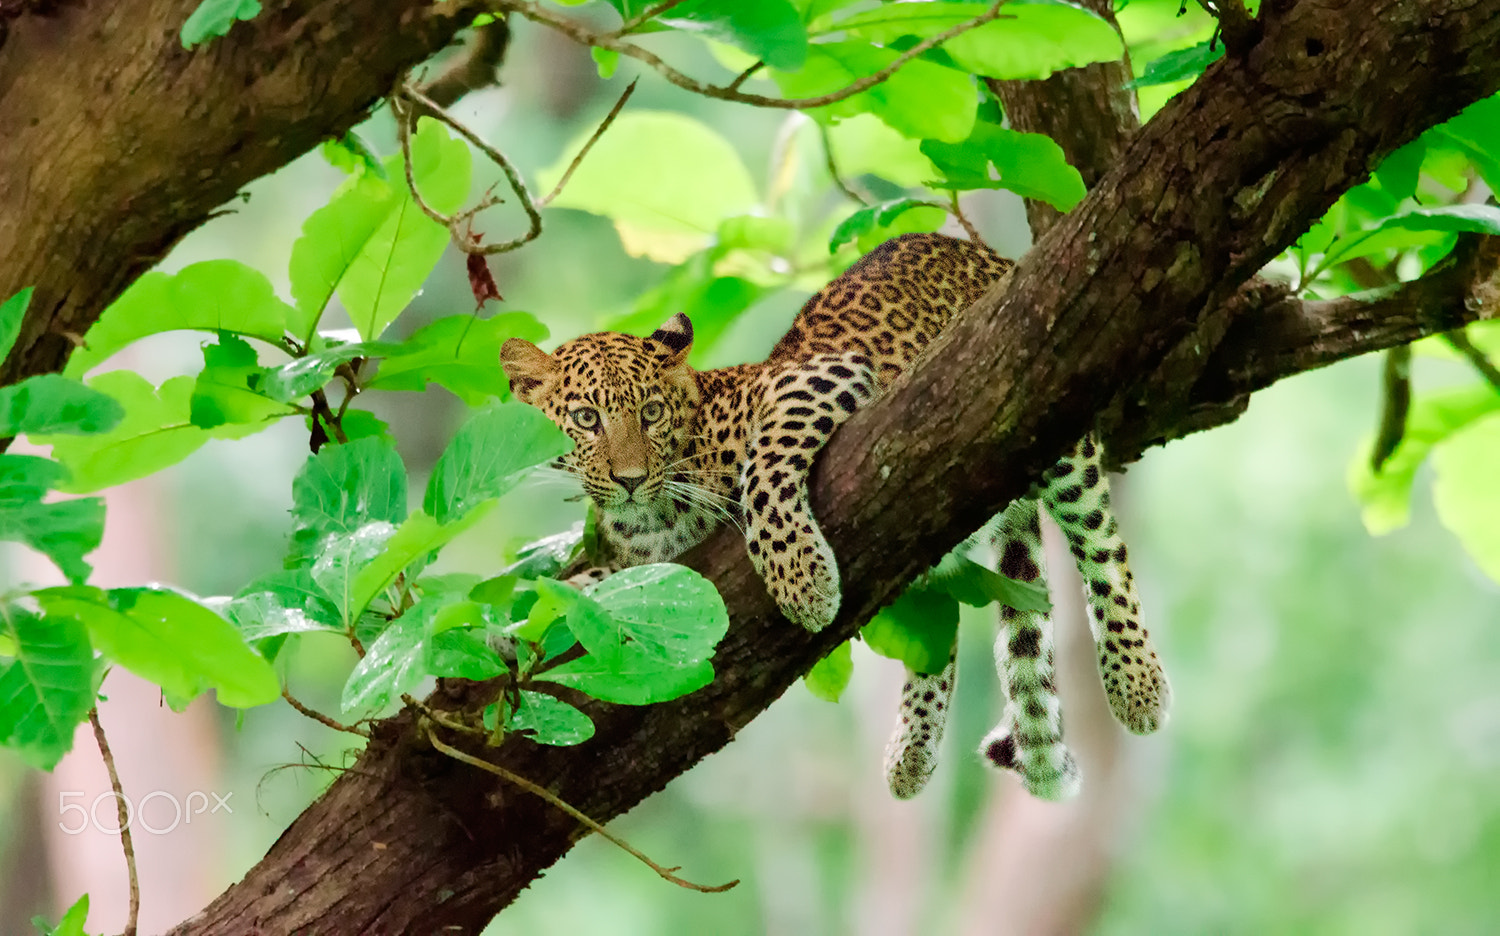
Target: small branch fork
[612, 41]
[132, 922]
[555, 800]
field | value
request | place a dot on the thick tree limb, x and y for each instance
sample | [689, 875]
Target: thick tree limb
[116, 141]
[1131, 306]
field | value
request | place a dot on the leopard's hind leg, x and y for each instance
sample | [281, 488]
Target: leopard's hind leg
[911, 755]
[800, 405]
[1028, 739]
[1076, 494]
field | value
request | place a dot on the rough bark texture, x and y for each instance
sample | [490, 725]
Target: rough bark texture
[1128, 307]
[1133, 306]
[115, 141]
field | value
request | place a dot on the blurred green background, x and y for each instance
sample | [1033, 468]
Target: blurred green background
[1333, 760]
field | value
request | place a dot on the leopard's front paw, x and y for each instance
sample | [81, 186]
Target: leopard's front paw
[802, 577]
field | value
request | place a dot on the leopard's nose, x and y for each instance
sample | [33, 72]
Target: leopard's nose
[628, 481]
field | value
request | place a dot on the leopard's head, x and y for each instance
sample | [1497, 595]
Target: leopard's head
[627, 402]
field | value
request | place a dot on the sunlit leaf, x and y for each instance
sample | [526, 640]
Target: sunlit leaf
[662, 613]
[395, 259]
[922, 99]
[12, 314]
[52, 403]
[546, 556]
[284, 602]
[829, 677]
[657, 173]
[1385, 497]
[974, 584]
[870, 217]
[459, 352]
[1030, 164]
[214, 296]
[64, 531]
[296, 379]
[392, 665]
[1466, 491]
[633, 681]
[548, 720]
[351, 154]
[339, 561]
[344, 488]
[214, 18]
[1179, 65]
[226, 390]
[917, 629]
[770, 30]
[48, 688]
[489, 455]
[416, 538]
[170, 640]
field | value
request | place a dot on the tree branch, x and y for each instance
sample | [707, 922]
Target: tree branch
[1134, 306]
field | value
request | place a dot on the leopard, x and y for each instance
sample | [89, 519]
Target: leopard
[668, 453]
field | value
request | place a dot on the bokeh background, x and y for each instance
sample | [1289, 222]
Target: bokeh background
[1332, 764]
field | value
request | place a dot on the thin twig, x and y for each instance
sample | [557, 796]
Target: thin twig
[958, 213]
[511, 174]
[1397, 403]
[582, 34]
[603, 126]
[1487, 369]
[557, 801]
[405, 117]
[323, 410]
[132, 922]
[635, 22]
[833, 169]
[319, 717]
[439, 718]
[744, 76]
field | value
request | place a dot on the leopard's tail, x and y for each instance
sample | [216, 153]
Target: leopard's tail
[1076, 494]
[1028, 739]
[911, 755]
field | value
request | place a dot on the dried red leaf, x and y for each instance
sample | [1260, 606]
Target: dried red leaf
[482, 281]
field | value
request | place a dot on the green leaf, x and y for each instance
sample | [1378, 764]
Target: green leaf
[284, 602]
[63, 531]
[829, 677]
[460, 353]
[52, 403]
[341, 558]
[345, 488]
[350, 154]
[867, 219]
[976, 585]
[47, 689]
[461, 653]
[1479, 219]
[921, 99]
[770, 30]
[12, 314]
[1476, 131]
[546, 556]
[547, 720]
[296, 379]
[214, 17]
[489, 455]
[918, 629]
[392, 665]
[661, 613]
[72, 922]
[1033, 40]
[665, 179]
[1179, 65]
[606, 61]
[1398, 172]
[394, 260]
[1466, 490]
[215, 296]
[170, 640]
[632, 681]
[711, 300]
[554, 600]
[333, 238]
[1029, 164]
[864, 144]
[417, 538]
[226, 390]
[1385, 497]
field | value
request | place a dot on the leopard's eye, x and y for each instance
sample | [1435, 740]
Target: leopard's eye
[652, 411]
[586, 417]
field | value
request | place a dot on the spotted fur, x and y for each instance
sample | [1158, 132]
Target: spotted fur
[667, 453]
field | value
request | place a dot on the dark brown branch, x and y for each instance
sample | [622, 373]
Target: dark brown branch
[1134, 306]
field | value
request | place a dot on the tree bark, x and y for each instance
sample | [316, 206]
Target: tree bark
[117, 141]
[1129, 307]
[1131, 315]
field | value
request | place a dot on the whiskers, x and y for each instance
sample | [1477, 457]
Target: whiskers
[699, 496]
[554, 477]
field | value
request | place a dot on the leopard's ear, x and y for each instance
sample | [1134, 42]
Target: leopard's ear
[529, 368]
[677, 334]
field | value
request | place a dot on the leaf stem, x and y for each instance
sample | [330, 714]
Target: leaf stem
[604, 125]
[319, 717]
[1460, 342]
[555, 800]
[132, 922]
